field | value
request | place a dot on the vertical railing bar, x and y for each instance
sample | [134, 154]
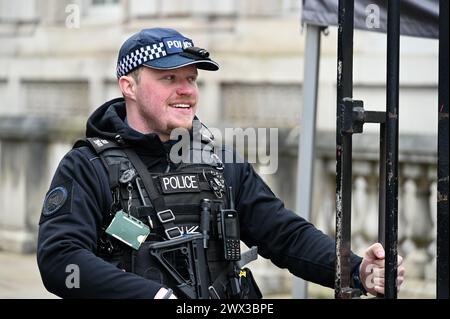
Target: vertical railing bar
[392, 120]
[343, 151]
[443, 152]
[382, 187]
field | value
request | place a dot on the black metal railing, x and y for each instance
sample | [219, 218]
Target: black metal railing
[443, 149]
[351, 117]
[344, 152]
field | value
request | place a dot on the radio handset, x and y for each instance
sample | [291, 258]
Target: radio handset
[228, 221]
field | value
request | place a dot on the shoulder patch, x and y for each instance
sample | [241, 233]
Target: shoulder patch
[58, 201]
[54, 200]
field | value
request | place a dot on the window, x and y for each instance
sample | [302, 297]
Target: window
[19, 11]
[103, 2]
[103, 12]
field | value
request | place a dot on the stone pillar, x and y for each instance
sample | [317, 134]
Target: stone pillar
[324, 196]
[417, 211]
[21, 162]
[430, 270]
[365, 206]
[24, 178]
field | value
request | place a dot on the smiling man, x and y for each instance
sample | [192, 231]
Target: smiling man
[158, 101]
[134, 223]
[164, 95]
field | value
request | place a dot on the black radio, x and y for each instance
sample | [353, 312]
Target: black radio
[228, 226]
[230, 233]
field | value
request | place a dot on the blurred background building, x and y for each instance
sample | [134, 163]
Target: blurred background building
[57, 65]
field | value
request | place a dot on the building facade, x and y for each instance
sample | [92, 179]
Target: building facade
[57, 65]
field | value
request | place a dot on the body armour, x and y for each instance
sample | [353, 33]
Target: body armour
[171, 205]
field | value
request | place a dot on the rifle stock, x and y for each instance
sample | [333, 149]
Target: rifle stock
[191, 249]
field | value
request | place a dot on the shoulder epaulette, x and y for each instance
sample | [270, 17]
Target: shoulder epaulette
[111, 160]
[100, 144]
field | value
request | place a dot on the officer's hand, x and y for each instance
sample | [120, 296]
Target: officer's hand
[163, 294]
[371, 270]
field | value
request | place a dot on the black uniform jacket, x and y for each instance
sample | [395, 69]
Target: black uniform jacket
[79, 196]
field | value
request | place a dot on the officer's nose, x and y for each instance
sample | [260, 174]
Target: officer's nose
[185, 88]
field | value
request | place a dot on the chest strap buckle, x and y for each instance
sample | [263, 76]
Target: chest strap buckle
[166, 217]
[173, 232]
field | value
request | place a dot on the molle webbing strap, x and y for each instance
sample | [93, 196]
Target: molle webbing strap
[165, 215]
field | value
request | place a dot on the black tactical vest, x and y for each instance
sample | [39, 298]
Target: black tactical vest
[171, 210]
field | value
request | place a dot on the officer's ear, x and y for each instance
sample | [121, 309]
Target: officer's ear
[128, 86]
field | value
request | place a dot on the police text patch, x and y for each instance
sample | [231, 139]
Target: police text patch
[176, 44]
[180, 183]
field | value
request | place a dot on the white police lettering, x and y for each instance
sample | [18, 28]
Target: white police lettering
[178, 44]
[180, 182]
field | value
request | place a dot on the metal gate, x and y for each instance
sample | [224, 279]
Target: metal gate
[351, 117]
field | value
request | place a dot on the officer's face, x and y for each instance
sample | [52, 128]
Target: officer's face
[167, 99]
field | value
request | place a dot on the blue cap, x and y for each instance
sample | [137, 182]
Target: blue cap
[161, 48]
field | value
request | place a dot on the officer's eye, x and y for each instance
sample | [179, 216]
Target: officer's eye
[192, 79]
[169, 77]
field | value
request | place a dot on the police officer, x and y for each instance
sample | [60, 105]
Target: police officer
[98, 181]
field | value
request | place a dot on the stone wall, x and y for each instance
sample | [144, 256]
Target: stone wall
[55, 72]
[30, 149]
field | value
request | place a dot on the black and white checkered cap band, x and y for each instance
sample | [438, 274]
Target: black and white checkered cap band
[139, 56]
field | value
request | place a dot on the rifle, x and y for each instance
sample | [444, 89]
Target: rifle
[195, 282]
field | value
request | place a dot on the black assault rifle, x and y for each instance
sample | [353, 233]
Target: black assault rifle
[193, 280]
